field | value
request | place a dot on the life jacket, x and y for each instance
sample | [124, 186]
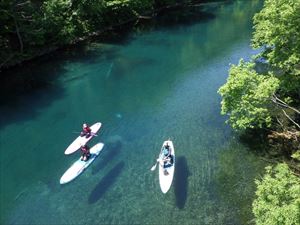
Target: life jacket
[87, 129]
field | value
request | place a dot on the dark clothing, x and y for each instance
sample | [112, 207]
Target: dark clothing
[168, 162]
[85, 152]
[85, 149]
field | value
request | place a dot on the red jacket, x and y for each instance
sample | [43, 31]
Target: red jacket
[87, 130]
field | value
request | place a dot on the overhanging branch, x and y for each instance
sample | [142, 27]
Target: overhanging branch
[279, 102]
[291, 119]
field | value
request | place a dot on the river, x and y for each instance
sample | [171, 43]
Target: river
[158, 81]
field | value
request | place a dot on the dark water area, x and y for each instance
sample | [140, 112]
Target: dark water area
[156, 81]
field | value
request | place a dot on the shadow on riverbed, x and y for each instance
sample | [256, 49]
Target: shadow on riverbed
[181, 181]
[112, 150]
[106, 182]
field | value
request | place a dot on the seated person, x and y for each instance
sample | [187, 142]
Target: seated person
[85, 153]
[167, 158]
[86, 131]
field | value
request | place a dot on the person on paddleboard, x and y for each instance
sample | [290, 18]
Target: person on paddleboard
[166, 157]
[86, 131]
[85, 152]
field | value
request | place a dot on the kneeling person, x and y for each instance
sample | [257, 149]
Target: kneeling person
[86, 131]
[85, 152]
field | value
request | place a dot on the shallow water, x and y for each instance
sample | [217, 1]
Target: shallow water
[157, 82]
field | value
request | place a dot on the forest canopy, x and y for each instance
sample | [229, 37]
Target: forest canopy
[31, 27]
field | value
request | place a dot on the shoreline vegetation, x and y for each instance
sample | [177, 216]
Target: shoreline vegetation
[262, 100]
[262, 96]
[36, 28]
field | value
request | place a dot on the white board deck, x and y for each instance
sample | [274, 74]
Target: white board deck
[79, 166]
[165, 179]
[76, 144]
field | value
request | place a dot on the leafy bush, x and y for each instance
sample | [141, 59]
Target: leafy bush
[246, 97]
[278, 197]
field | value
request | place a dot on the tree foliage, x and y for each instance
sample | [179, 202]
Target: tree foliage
[28, 27]
[17, 26]
[278, 197]
[277, 30]
[246, 97]
[60, 22]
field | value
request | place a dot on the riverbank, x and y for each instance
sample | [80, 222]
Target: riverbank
[18, 58]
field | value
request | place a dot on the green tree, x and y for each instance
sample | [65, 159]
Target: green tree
[246, 97]
[61, 22]
[278, 197]
[277, 30]
[19, 28]
[252, 100]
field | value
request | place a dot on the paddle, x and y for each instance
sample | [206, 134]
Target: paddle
[92, 134]
[154, 166]
[157, 160]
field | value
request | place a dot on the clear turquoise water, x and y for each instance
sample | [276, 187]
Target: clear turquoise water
[152, 84]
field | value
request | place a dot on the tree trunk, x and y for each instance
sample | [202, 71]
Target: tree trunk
[18, 34]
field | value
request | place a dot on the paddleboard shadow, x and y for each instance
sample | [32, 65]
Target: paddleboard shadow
[112, 151]
[106, 182]
[181, 181]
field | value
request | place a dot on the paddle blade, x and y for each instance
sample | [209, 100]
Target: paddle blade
[153, 167]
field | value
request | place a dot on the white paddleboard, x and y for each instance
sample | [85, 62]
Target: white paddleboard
[76, 144]
[79, 166]
[166, 174]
